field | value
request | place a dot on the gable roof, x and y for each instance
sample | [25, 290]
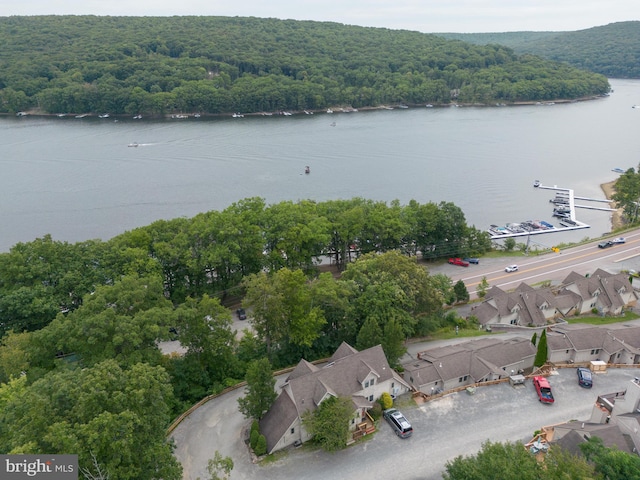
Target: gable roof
[277, 421]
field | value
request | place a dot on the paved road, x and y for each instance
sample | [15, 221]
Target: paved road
[552, 267]
[453, 425]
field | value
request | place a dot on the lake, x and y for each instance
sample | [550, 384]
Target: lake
[78, 179]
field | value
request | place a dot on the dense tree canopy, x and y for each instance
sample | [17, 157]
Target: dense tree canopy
[612, 50]
[162, 65]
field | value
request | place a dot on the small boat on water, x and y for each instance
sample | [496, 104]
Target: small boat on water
[104, 115]
[82, 115]
[307, 170]
[536, 183]
[134, 144]
[137, 117]
[237, 115]
[617, 170]
[329, 110]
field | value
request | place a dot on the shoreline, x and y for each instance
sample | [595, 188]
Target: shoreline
[616, 216]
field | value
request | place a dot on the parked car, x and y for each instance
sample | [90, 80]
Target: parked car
[619, 240]
[606, 244]
[473, 260]
[459, 262]
[585, 379]
[242, 315]
[543, 389]
[511, 268]
[398, 422]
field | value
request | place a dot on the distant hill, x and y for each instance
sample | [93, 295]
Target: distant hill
[612, 50]
[216, 65]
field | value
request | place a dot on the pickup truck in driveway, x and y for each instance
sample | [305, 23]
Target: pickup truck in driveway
[543, 389]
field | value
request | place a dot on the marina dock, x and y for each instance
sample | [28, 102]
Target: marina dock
[564, 208]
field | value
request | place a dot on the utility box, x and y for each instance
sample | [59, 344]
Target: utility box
[598, 366]
[516, 380]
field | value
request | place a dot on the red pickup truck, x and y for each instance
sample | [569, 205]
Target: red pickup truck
[544, 389]
[458, 261]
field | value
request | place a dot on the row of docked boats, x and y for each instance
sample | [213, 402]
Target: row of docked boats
[527, 226]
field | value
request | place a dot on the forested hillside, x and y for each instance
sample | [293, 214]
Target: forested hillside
[160, 65]
[80, 367]
[612, 50]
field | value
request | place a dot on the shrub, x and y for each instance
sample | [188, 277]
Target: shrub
[253, 438]
[261, 446]
[376, 411]
[255, 425]
[385, 401]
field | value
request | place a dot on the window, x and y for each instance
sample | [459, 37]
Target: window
[393, 384]
[371, 398]
[463, 379]
[373, 381]
[293, 430]
[595, 351]
[366, 384]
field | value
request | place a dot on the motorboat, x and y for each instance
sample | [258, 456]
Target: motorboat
[536, 183]
[134, 144]
[104, 115]
[307, 170]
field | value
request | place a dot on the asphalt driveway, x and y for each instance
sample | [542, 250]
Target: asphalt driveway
[456, 424]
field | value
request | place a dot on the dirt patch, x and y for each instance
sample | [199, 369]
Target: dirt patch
[617, 220]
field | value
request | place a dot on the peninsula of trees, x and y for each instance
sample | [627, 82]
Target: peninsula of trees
[215, 65]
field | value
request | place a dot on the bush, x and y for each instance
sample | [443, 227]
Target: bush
[385, 401]
[261, 446]
[376, 410]
[253, 438]
[255, 426]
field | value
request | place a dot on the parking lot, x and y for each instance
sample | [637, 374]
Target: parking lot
[455, 424]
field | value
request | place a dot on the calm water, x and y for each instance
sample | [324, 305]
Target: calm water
[77, 179]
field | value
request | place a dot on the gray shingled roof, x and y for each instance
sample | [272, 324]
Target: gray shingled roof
[278, 419]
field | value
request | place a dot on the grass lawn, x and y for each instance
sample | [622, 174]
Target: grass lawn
[597, 320]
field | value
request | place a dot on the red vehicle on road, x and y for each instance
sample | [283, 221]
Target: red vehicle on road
[544, 389]
[459, 262]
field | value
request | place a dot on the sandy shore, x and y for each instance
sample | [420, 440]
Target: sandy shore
[616, 217]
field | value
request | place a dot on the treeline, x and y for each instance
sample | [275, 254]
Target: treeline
[213, 252]
[612, 50]
[161, 65]
[80, 366]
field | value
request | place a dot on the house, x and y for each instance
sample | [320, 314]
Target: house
[608, 293]
[526, 306]
[361, 376]
[486, 359]
[615, 419]
[580, 343]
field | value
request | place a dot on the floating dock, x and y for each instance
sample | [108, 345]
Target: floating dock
[565, 207]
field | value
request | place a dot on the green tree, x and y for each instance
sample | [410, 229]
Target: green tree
[283, 309]
[534, 338]
[393, 342]
[259, 393]
[329, 423]
[610, 463]
[627, 194]
[482, 288]
[512, 460]
[117, 416]
[509, 244]
[461, 292]
[542, 352]
[219, 467]
[369, 335]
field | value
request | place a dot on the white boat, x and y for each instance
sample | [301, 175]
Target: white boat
[617, 170]
[179, 116]
[104, 115]
[237, 115]
[287, 114]
[137, 117]
[134, 144]
[428, 105]
[82, 115]
[308, 112]
[21, 114]
[329, 110]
